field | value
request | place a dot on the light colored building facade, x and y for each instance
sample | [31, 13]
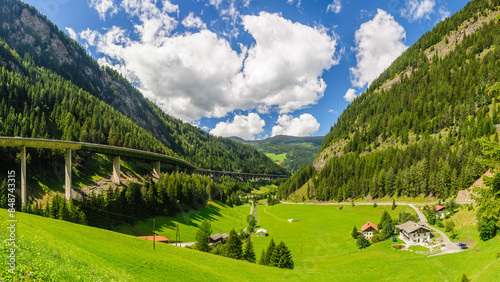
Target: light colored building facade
[414, 233]
[368, 230]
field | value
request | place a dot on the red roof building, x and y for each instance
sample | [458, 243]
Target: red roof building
[367, 227]
[157, 238]
[368, 230]
[438, 208]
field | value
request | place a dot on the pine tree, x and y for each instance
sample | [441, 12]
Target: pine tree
[464, 278]
[269, 252]
[263, 258]
[354, 232]
[202, 236]
[283, 257]
[393, 204]
[3, 194]
[233, 246]
[248, 253]
[386, 219]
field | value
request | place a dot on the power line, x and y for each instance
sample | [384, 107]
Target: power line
[113, 213]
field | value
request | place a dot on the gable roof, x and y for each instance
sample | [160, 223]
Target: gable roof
[218, 236]
[438, 207]
[261, 230]
[410, 226]
[368, 225]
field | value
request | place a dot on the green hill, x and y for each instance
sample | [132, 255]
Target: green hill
[288, 151]
[51, 69]
[415, 130]
[319, 240]
[49, 249]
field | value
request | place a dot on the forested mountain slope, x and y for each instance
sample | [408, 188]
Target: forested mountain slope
[37, 40]
[419, 135]
[288, 151]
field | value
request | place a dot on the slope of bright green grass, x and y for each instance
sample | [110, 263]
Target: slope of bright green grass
[264, 189]
[62, 251]
[55, 250]
[277, 158]
[320, 242]
[223, 218]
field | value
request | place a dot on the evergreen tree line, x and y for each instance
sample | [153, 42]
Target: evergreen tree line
[296, 181]
[71, 63]
[488, 200]
[277, 256]
[428, 167]
[455, 93]
[233, 248]
[173, 193]
[274, 255]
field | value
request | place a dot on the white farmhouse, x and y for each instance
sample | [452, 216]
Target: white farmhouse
[368, 230]
[414, 233]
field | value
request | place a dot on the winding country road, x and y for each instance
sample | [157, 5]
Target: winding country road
[450, 247]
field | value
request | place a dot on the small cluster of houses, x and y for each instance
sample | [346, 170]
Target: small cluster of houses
[410, 232]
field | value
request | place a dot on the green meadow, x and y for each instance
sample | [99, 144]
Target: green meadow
[319, 239]
[222, 217]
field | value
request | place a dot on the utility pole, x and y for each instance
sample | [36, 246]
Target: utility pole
[154, 231]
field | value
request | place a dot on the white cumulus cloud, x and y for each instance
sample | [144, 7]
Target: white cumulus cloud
[304, 125]
[103, 6]
[334, 7]
[72, 33]
[245, 127]
[350, 95]
[196, 75]
[417, 9]
[378, 43]
[191, 21]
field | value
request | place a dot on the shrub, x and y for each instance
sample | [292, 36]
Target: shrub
[376, 238]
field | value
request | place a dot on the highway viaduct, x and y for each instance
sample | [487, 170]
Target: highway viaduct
[117, 152]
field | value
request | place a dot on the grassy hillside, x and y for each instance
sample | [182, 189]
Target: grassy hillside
[288, 151]
[54, 249]
[51, 249]
[321, 244]
[223, 218]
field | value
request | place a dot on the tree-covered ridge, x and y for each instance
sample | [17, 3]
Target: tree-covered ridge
[27, 31]
[40, 104]
[289, 151]
[450, 93]
[420, 136]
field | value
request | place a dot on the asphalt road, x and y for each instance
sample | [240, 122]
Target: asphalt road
[450, 247]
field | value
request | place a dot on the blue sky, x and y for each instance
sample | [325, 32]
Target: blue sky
[250, 68]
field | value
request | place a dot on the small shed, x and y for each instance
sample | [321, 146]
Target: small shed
[261, 232]
[218, 238]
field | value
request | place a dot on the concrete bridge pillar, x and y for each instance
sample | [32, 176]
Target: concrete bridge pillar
[68, 174]
[176, 168]
[116, 170]
[156, 169]
[23, 177]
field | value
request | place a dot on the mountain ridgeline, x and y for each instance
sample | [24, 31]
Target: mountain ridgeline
[51, 88]
[416, 130]
[288, 151]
